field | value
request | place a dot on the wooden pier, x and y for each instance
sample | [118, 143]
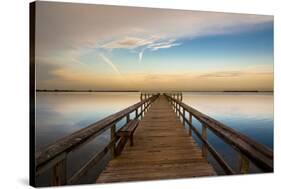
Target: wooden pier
[154, 144]
[162, 150]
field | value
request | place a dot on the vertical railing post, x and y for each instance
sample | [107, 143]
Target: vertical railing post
[180, 111]
[59, 173]
[183, 112]
[141, 113]
[244, 164]
[137, 113]
[204, 136]
[113, 137]
[183, 116]
[190, 121]
[145, 106]
[128, 118]
[174, 105]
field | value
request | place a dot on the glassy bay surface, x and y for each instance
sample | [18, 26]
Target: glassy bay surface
[248, 113]
[59, 114]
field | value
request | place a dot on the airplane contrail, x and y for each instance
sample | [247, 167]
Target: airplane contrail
[141, 54]
[110, 63]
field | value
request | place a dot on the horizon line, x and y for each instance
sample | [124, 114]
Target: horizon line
[92, 90]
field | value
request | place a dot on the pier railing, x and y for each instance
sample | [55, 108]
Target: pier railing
[248, 149]
[54, 157]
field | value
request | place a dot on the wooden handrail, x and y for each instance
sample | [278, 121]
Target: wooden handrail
[259, 154]
[54, 154]
[217, 156]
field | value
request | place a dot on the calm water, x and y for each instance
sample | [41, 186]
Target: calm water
[248, 113]
[59, 114]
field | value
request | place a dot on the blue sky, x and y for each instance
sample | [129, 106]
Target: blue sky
[128, 48]
[239, 50]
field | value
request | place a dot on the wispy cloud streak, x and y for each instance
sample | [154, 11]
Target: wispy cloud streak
[231, 74]
[140, 44]
[110, 63]
[163, 46]
[141, 55]
[127, 43]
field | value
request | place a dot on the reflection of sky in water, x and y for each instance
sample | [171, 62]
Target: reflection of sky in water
[62, 113]
[59, 114]
[248, 113]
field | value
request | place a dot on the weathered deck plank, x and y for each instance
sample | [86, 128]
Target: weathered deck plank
[162, 150]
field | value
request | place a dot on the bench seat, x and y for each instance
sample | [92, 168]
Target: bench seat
[128, 130]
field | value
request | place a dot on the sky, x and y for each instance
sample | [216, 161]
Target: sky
[98, 47]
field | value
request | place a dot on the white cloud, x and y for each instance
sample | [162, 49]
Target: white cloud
[128, 43]
[163, 46]
[163, 42]
[152, 43]
[79, 25]
[76, 27]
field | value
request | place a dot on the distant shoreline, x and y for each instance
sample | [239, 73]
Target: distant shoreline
[225, 91]
[57, 90]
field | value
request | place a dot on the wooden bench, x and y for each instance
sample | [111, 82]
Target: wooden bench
[128, 130]
[125, 133]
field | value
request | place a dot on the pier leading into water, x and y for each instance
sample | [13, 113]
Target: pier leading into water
[154, 144]
[162, 150]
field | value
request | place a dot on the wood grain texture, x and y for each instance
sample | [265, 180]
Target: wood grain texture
[162, 150]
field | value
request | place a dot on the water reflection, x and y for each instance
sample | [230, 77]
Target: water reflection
[59, 114]
[249, 113]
